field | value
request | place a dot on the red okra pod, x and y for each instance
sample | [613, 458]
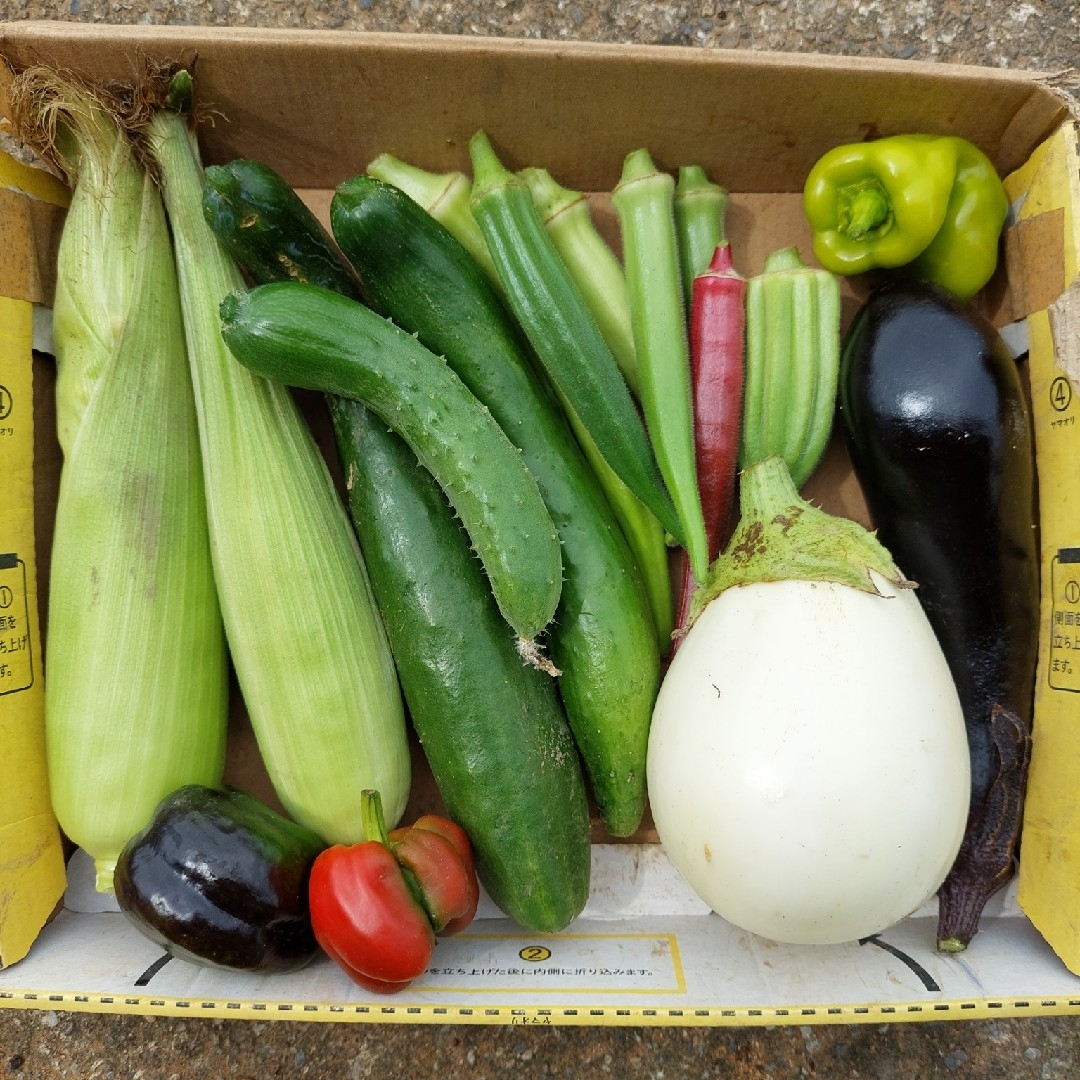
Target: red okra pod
[717, 348]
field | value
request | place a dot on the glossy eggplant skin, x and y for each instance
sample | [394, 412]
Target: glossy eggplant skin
[939, 432]
[220, 879]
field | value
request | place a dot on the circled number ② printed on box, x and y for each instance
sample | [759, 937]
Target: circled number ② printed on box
[16, 657]
[1064, 665]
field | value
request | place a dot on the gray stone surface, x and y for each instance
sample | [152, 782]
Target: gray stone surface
[42, 1045]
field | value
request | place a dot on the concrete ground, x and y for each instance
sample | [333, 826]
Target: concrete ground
[41, 1045]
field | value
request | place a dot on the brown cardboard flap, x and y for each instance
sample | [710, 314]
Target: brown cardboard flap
[1035, 255]
[29, 234]
[541, 101]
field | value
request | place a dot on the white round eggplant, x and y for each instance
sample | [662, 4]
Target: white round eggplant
[808, 766]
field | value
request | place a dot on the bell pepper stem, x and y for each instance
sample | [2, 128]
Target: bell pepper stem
[372, 818]
[864, 208]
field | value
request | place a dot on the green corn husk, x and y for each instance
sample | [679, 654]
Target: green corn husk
[307, 642]
[136, 686]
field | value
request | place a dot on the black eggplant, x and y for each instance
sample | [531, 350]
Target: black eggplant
[939, 432]
[219, 878]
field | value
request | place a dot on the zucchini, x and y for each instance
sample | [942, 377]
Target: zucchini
[502, 756]
[306, 336]
[602, 639]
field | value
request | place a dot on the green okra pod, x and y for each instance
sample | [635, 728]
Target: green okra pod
[699, 221]
[597, 272]
[792, 363]
[561, 329]
[594, 267]
[644, 202]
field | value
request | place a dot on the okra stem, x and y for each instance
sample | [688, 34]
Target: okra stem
[700, 206]
[594, 267]
[445, 196]
[644, 202]
[561, 329]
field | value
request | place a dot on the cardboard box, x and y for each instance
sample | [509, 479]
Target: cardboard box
[318, 106]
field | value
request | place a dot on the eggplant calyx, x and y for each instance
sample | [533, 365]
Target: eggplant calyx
[781, 537]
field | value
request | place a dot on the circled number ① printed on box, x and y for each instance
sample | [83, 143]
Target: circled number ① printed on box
[1064, 663]
[16, 657]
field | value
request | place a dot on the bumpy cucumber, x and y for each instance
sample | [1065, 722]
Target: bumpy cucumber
[306, 336]
[602, 638]
[492, 729]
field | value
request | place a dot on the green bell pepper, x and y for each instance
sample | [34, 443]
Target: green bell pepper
[932, 204]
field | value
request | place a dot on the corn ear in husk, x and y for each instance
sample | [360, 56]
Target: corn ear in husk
[307, 641]
[136, 683]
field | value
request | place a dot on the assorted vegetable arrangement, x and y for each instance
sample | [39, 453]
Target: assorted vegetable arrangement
[493, 729]
[539, 433]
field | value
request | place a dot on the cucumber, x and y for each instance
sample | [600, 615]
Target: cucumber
[603, 638]
[306, 336]
[492, 728]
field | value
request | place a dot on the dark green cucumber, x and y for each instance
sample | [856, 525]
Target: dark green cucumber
[306, 336]
[602, 638]
[492, 728]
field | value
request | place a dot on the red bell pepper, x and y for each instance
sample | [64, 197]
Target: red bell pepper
[376, 907]
[717, 362]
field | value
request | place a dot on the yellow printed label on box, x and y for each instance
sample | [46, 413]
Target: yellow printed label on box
[31, 854]
[1063, 667]
[16, 656]
[1049, 889]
